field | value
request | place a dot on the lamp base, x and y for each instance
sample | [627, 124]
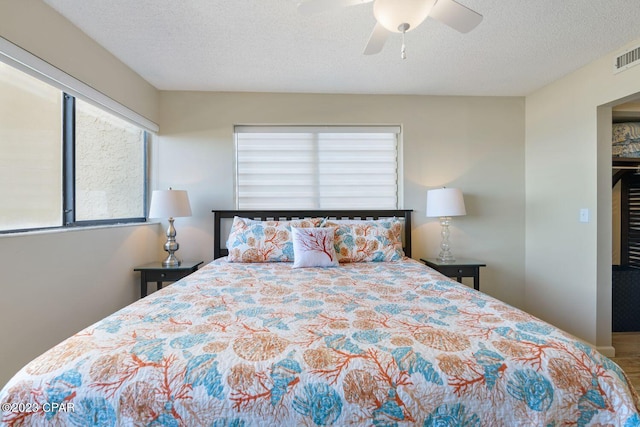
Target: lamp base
[445, 254]
[171, 261]
[171, 246]
[445, 258]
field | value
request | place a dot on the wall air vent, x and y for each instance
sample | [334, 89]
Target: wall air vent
[627, 59]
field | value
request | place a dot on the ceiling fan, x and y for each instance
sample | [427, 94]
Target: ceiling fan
[400, 16]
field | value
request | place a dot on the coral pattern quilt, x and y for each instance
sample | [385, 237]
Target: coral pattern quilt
[363, 344]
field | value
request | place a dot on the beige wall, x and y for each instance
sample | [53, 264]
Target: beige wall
[568, 167]
[56, 283]
[473, 143]
[37, 28]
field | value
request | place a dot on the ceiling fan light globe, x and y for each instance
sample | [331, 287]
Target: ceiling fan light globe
[392, 14]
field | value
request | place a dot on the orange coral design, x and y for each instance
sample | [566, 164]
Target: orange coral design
[318, 241]
[274, 290]
[451, 364]
[492, 319]
[261, 346]
[19, 393]
[241, 377]
[321, 358]
[365, 324]
[67, 351]
[366, 314]
[215, 346]
[443, 340]
[401, 341]
[108, 367]
[138, 402]
[249, 255]
[339, 324]
[360, 387]
[566, 376]
[512, 348]
[511, 314]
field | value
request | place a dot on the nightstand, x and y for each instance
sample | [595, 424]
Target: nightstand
[156, 272]
[459, 268]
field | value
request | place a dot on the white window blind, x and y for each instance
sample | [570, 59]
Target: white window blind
[311, 167]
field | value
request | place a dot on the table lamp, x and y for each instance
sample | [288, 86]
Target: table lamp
[445, 203]
[169, 204]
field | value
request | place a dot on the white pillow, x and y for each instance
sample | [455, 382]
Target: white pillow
[314, 247]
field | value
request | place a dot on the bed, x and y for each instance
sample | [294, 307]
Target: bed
[388, 342]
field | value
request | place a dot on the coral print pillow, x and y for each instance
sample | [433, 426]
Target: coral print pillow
[313, 247]
[365, 241]
[263, 241]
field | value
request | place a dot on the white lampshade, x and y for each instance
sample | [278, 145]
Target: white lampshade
[445, 202]
[169, 204]
[393, 13]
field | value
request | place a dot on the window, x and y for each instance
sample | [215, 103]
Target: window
[311, 167]
[109, 166]
[63, 161]
[30, 152]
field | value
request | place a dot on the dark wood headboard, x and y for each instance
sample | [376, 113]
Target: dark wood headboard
[264, 215]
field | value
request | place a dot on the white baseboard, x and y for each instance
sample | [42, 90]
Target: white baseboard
[608, 351]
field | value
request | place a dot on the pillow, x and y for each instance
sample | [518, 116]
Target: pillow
[263, 241]
[313, 247]
[368, 240]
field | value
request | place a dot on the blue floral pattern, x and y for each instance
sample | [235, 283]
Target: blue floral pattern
[452, 416]
[319, 402]
[532, 388]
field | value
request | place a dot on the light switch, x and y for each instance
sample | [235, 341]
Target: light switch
[584, 215]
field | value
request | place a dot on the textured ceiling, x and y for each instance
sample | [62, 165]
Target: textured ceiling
[267, 46]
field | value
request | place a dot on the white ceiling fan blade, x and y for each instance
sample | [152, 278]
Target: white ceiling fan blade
[377, 40]
[455, 15]
[310, 7]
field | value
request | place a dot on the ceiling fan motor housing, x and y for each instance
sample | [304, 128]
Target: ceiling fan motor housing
[400, 16]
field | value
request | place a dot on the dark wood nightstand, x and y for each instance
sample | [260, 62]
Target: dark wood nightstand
[459, 268]
[156, 272]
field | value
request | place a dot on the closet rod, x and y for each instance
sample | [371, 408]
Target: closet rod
[627, 167]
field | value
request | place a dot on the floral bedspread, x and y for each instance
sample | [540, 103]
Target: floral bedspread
[390, 343]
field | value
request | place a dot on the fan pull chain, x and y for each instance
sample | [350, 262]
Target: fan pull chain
[403, 52]
[403, 27]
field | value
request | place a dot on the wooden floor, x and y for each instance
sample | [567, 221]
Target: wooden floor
[627, 345]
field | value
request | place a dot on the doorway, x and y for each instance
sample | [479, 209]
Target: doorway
[625, 143]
